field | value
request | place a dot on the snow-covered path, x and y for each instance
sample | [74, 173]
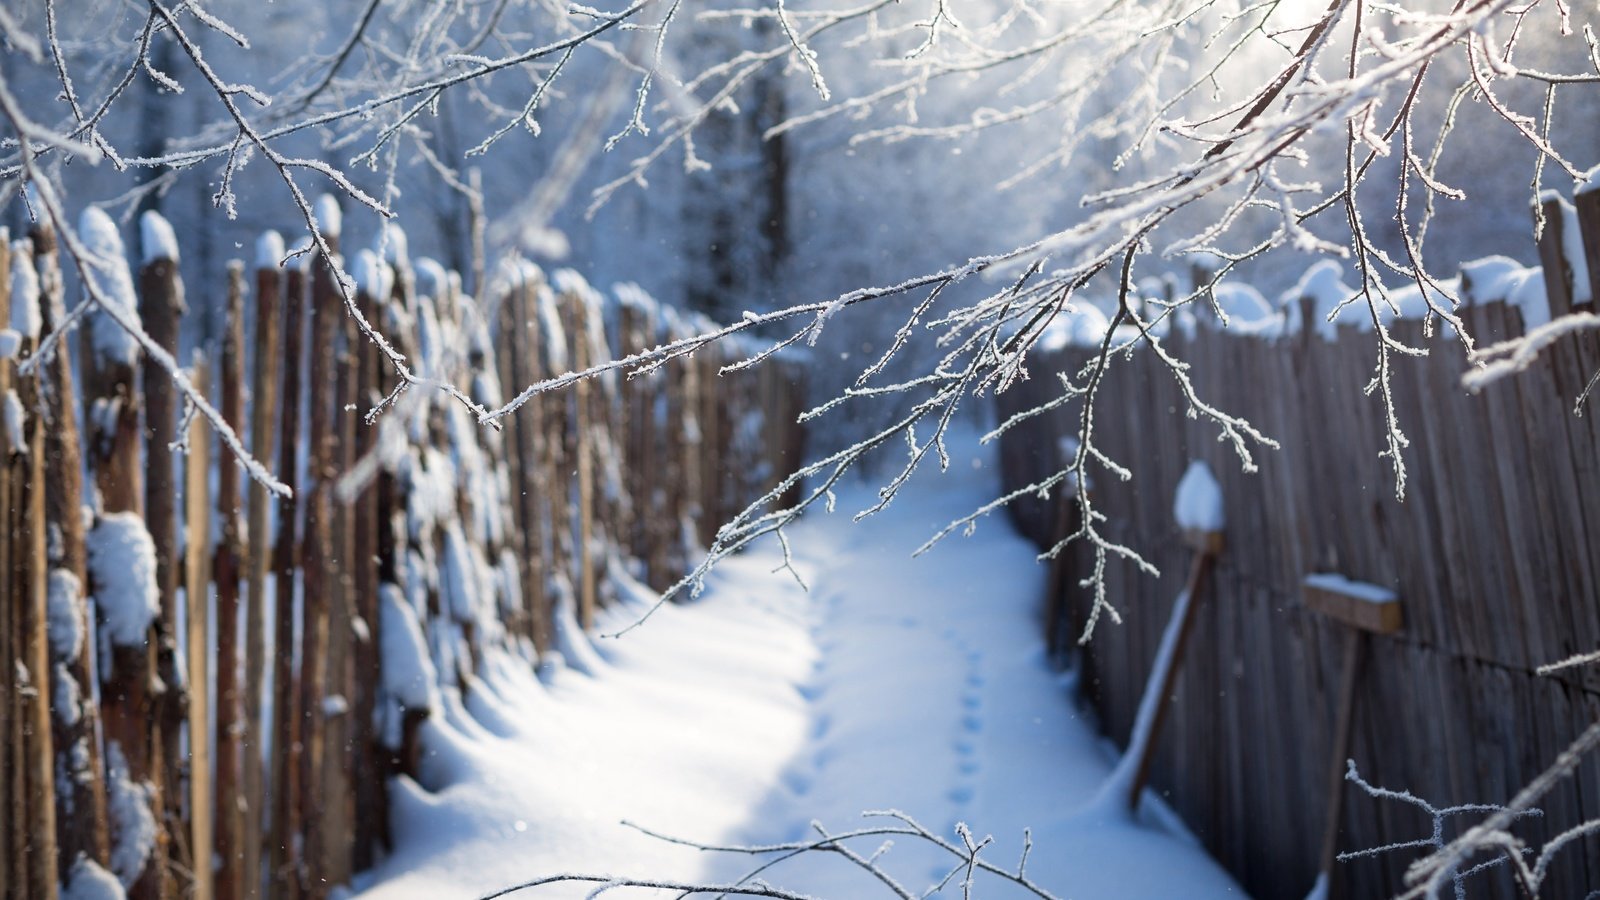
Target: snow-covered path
[911, 684]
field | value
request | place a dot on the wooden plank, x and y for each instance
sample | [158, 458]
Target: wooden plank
[81, 819]
[1557, 273]
[24, 573]
[320, 570]
[578, 313]
[284, 789]
[1363, 606]
[230, 801]
[131, 689]
[197, 590]
[161, 306]
[1588, 206]
[266, 370]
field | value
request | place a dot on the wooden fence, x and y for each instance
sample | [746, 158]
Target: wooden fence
[1495, 554]
[317, 631]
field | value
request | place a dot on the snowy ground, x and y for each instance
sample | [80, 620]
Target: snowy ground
[917, 685]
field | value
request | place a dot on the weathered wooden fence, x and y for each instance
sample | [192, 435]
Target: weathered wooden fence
[1495, 554]
[207, 686]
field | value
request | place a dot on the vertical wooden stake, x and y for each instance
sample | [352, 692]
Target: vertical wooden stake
[268, 329]
[132, 705]
[1205, 553]
[197, 590]
[1557, 273]
[282, 878]
[231, 801]
[1355, 641]
[578, 316]
[161, 306]
[81, 821]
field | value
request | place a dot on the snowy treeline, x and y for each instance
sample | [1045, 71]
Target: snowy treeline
[219, 685]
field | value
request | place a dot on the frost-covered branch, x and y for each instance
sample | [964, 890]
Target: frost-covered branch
[966, 858]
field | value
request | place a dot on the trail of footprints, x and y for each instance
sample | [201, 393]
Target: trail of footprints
[965, 740]
[971, 724]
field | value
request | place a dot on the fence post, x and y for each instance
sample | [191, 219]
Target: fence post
[582, 443]
[13, 851]
[367, 782]
[197, 591]
[24, 572]
[232, 803]
[1587, 201]
[268, 327]
[131, 701]
[161, 305]
[82, 829]
[519, 367]
[320, 568]
[285, 790]
[1557, 272]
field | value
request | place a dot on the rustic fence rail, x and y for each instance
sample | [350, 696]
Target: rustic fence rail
[321, 629]
[1495, 553]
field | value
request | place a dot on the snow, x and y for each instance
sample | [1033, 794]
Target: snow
[330, 220]
[1244, 310]
[392, 244]
[10, 343]
[1113, 794]
[1527, 293]
[16, 419]
[1079, 325]
[550, 328]
[432, 280]
[1198, 504]
[66, 699]
[269, 250]
[744, 715]
[88, 881]
[63, 605]
[1589, 182]
[1572, 247]
[25, 318]
[1490, 278]
[132, 824]
[1359, 590]
[109, 273]
[408, 673]
[372, 275]
[122, 573]
[1323, 283]
[156, 238]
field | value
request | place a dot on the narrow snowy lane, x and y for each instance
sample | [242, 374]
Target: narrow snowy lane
[910, 684]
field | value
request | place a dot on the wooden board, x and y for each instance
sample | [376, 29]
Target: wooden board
[1353, 607]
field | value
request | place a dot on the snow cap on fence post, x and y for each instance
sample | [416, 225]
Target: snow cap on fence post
[330, 220]
[108, 272]
[25, 318]
[1198, 508]
[156, 238]
[373, 276]
[269, 250]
